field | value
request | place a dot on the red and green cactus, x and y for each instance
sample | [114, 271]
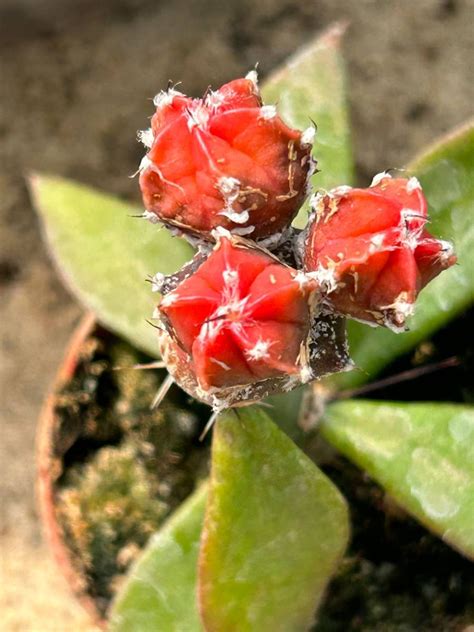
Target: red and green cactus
[255, 548]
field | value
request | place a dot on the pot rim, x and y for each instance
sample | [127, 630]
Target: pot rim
[45, 464]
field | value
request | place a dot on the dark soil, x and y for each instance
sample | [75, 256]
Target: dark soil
[123, 468]
[396, 577]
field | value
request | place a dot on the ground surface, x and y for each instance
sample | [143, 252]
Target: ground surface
[76, 78]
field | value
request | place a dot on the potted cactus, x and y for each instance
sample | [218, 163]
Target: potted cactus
[156, 528]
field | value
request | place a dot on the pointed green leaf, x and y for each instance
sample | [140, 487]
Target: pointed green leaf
[422, 453]
[446, 172]
[284, 410]
[275, 528]
[311, 86]
[160, 591]
[105, 255]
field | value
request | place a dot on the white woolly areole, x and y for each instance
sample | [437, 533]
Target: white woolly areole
[198, 116]
[413, 184]
[377, 179]
[233, 307]
[400, 309]
[307, 137]
[229, 187]
[253, 77]
[169, 299]
[230, 190]
[259, 351]
[342, 190]
[411, 237]
[234, 216]
[214, 100]
[447, 250]
[165, 97]
[306, 374]
[316, 199]
[376, 242]
[145, 136]
[145, 163]
[268, 112]
[151, 217]
[326, 277]
[230, 276]
[302, 279]
[157, 282]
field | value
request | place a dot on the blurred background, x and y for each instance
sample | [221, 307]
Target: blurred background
[76, 82]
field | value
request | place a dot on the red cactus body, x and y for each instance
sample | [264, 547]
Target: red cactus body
[241, 317]
[371, 252]
[224, 160]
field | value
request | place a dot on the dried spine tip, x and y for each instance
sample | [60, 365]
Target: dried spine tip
[162, 392]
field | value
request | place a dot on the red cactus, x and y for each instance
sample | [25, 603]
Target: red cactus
[241, 317]
[370, 250]
[224, 160]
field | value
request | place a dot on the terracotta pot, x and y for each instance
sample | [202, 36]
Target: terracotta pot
[49, 468]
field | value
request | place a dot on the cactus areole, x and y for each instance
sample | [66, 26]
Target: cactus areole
[261, 308]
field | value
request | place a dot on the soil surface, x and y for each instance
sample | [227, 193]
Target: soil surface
[77, 76]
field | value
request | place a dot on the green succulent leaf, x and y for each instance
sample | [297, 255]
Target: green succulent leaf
[446, 172]
[274, 530]
[421, 453]
[105, 255]
[160, 591]
[311, 86]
